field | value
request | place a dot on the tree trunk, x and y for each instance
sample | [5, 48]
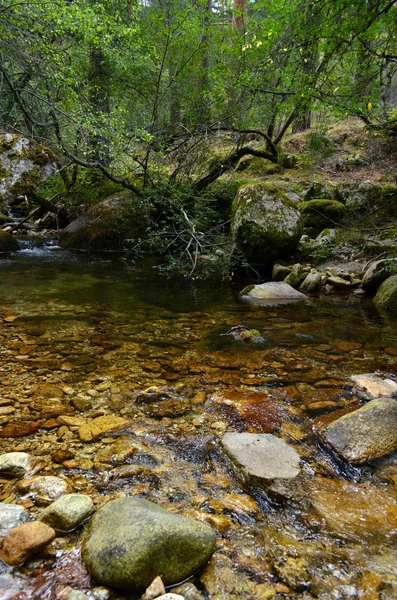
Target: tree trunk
[238, 14]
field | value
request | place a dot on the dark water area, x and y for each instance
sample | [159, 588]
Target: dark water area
[84, 336]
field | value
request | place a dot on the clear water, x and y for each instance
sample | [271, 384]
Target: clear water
[76, 320]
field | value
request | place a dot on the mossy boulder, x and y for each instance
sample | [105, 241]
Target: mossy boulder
[8, 243]
[106, 226]
[378, 272]
[132, 541]
[266, 224]
[386, 296]
[358, 197]
[318, 189]
[321, 212]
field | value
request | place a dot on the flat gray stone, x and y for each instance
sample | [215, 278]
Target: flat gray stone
[132, 541]
[366, 433]
[15, 464]
[266, 461]
[11, 515]
[67, 512]
[271, 292]
[370, 386]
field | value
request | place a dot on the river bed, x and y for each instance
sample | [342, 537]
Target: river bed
[84, 336]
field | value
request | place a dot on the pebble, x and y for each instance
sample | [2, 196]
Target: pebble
[68, 512]
[11, 515]
[47, 488]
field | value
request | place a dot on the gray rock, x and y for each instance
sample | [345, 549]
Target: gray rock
[378, 272]
[271, 292]
[264, 460]
[326, 238]
[318, 189]
[47, 488]
[386, 296]
[15, 464]
[132, 541]
[312, 282]
[68, 512]
[370, 386]
[339, 283]
[280, 272]
[11, 515]
[366, 433]
[266, 224]
[358, 196]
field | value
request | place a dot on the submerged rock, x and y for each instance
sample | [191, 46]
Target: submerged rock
[264, 460]
[266, 223]
[272, 291]
[132, 541]
[47, 488]
[370, 386]
[366, 433]
[11, 515]
[7, 242]
[97, 427]
[15, 464]
[240, 333]
[67, 512]
[24, 541]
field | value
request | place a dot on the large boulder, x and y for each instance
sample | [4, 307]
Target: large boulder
[321, 212]
[23, 166]
[386, 296]
[366, 433]
[378, 272]
[358, 196]
[266, 224]
[266, 461]
[106, 226]
[132, 541]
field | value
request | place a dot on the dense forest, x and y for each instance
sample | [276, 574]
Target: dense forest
[141, 92]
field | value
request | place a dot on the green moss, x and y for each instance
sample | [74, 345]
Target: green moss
[4, 173]
[246, 290]
[29, 180]
[321, 212]
[386, 296]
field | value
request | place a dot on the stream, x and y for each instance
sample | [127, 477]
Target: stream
[84, 336]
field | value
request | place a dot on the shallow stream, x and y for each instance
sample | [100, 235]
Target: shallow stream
[85, 336]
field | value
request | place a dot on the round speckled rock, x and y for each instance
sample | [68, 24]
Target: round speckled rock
[132, 541]
[67, 512]
[47, 488]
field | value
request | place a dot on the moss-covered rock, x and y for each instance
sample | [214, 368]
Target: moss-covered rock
[386, 296]
[7, 242]
[321, 212]
[266, 223]
[318, 189]
[106, 226]
[132, 541]
[378, 272]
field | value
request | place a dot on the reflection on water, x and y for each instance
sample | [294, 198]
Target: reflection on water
[104, 333]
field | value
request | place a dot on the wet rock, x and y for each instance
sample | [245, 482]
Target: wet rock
[8, 243]
[67, 512]
[293, 572]
[266, 461]
[188, 591]
[76, 595]
[272, 292]
[24, 541]
[131, 541]
[370, 386]
[366, 433]
[378, 272]
[46, 488]
[116, 453]
[97, 427]
[240, 333]
[152, 394]
[11, 515]
[175, 407]
[296, 276]
[339, 283]
[353, 511]
[15, 464]
[222, 581]
[266, 223]
[386, 296]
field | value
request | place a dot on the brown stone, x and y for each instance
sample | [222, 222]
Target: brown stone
[24, 541]
[19, 429]
[101, 425]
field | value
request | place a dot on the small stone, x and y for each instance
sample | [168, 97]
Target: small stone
[19, 429]
[6, 410]
[11, 515]
[339, 283]
[76, 595]
[155, 589]
[71, 421]
[265, 460]
[97, 427]
[68, 512]
[24, 541]
[15, 464]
